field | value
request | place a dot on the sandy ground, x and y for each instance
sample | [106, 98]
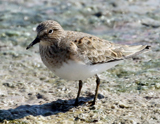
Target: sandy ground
[31, 94]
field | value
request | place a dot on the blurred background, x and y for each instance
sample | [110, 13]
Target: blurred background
[30, 93]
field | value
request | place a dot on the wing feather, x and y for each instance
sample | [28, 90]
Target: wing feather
[97, 50]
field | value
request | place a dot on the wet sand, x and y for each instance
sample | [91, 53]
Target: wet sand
[128, 94]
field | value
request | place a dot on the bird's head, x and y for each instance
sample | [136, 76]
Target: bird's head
[48, 32]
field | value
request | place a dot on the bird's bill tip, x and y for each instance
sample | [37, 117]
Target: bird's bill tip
[37, 40]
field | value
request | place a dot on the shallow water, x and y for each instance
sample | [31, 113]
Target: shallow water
[30, 93]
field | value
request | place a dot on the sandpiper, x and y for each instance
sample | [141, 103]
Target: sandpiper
[75, 55]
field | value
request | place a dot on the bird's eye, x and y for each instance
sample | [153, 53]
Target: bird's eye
[50, 31]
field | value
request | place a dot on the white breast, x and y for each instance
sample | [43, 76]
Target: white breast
[79, 71]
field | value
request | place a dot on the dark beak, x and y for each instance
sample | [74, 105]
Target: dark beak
[37, 40]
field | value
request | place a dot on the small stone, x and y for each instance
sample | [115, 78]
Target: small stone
[157, 85]
[123, 105]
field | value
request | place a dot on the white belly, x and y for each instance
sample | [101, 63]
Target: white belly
[79, 71]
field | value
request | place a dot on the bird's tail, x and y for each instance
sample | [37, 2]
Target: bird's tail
[129, 51]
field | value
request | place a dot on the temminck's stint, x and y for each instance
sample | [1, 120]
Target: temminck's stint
[76, 56]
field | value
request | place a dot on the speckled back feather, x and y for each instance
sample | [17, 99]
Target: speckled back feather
[100, 51]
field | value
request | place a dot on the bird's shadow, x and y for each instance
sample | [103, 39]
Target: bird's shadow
[46, 109]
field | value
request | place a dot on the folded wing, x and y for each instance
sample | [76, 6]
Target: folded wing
[102, 51]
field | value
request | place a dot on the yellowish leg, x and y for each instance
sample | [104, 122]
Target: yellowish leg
[79, 91]
[97, 87]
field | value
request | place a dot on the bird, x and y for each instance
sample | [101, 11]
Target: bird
[76, 56]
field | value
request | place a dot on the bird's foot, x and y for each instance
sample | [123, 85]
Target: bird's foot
[90, 103]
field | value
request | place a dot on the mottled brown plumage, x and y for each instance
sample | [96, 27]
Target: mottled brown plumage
[76, 55]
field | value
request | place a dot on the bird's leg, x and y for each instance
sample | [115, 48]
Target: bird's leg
[79, 91]
[97, 87]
